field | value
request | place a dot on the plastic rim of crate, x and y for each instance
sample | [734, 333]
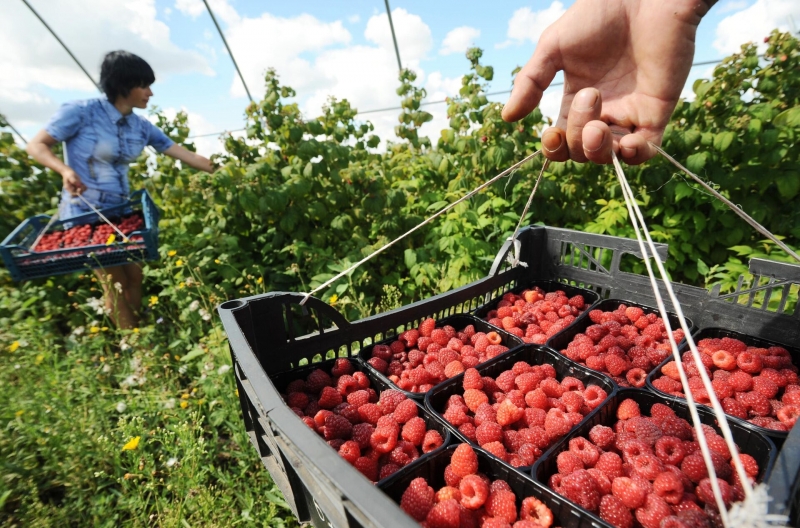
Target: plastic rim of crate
[531, 354]
[281, 380]
[461, 321]
[590, 298]
[560, 341]
[777, 436]
[752, 442]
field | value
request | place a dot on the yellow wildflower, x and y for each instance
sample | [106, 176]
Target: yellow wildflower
[181, 285]
[171, 253]
[105, 328]
[184, 396]
[237, 392]
[179, 263]
[136, 330]
[111, 238]
[13, 346]
[153, 300]
[102, 359]
[201, 401]
[94, 329]
[184, 404]
[333, 299]
[39, 359]
[132, 444]
[19, 413]
[217, 261]
[260, 280]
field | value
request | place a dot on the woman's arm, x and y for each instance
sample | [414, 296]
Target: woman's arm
[39, 149]
[192, 159]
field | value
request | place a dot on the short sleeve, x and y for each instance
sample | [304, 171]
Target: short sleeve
[66, 122]
[156, 138]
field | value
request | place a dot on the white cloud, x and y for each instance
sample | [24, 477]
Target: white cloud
[731, 5]
[755, 23]
[528, 25]
[438, 88]
[458, 40]
[550, 105]
[32, 59]
[221, 8]
[413, 35]
[354, 19]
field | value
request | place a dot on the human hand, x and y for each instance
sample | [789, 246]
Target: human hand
[72, 182]
[625, 63]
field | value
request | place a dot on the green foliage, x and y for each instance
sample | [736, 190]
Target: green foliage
[294, 203]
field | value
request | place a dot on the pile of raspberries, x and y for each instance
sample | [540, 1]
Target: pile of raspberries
[756, 384]
[425, 356]
[534, 315]
[522, 412]
[624, 343]
[471, 499]
[377, 436]
[648, 470]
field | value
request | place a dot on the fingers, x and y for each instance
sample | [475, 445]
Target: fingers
[585, 142]
[553, 144]
[532, 80]
[635, 148]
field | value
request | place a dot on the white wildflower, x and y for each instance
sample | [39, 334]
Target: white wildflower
[203, 376]
[223, 369]
[118, 287]
[23, 343]
[123, 345]
[17, 366]
[204, 314]
[209, 366]
[130, 381]
[106, 368]
[121, 406]
[169, 404]
[98, 305]
[194, 306]
[79, 330]
[172, 461]
[182, 369]
[136, 363]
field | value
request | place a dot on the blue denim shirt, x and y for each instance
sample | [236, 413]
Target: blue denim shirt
[101, 143]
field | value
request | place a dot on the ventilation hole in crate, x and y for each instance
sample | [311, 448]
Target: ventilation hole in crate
[317, 358]
[299, 324]
[326, 323]
[764, 293]
[354, 349]
[302, 362]
[630, 263]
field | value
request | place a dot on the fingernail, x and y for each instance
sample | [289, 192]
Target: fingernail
[552, 141]
[585, 99]
[592, 138]
[627, 152]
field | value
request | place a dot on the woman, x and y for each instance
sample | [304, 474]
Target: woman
[103, 136]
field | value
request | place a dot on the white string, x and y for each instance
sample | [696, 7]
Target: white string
[632, 206]
[106, 220]
[747, 218]
[514, 260]
[43, 231]
[426, 221]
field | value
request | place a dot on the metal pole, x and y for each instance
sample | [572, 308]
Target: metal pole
[394, 38]
[4, 123]
[219, 30]
[62, 44]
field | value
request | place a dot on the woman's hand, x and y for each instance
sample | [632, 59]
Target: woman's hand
[625, 63]
[72, 182]
[192, 159]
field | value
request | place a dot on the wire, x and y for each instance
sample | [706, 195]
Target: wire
[222, 36]
[394, 38]
[62, 44]
[4, 123]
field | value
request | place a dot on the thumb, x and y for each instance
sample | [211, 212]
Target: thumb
[533, 79]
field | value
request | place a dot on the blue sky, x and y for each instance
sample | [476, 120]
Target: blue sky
[321, 48]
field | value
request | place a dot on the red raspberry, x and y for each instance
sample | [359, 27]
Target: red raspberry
[474, 492]
[418, 499]
[556, 424]
[497, 449]
[397, 347]
[439, 336]
[426, 327]
[361, 434]
[610, 464]
[724, 360]
[508, 413]
[450, 478]
[581, 489]
[384, 439]
[387, 470]
[585, 451]
[464, 460]
[765, 386]
[669, 450]
[645, 429]
[358, 398]
[472, 379]
[602, 436]
[748, 362]
[447, 493]
[628, 409]
[647, 465]
[659, 410]
[750, 464]
[337, 427]
[329, 398]
[474, 398]
[655, 509]
[378, 364]
[341, 367]
[297, 399]
[732, 345]
[632, 493]
[669, 487]
[694, 467]
[674, 426]
[296, 386]
[636, 377]
[616, 513]
[536, 511]
[389, 400]
[573, 401]
[568, 462]
[317, 380]
[414, 430]
[370, 413]
[615, 365]
[404, 411]
[502, 504]
[453, 369]
[538, 399]
[433, 440]
[368, 467]
[788, 415]
[445, 514]
[705, 493]
[488, 432]
[350, 451]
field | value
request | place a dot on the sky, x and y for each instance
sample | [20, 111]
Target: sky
[321, 48]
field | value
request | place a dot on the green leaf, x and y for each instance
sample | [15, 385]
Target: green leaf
[788, 183]
[682, 190]
[410, 257]
[723, 140]
[702, 268]
[197, 352]
[697, 161]
[788, 118]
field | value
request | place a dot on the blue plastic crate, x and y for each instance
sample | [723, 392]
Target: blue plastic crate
[24, 264]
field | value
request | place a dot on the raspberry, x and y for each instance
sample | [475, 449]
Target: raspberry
[788, 415]
[433, 440]
[370, 413]
[568, 462]
[750, 464]
[616, 513]
[628, 409]
[474, 398]
[723, 360]
[472, 379]
[636, 377]
[585, 451]
[581, 489]
[765, 386]
[358, 398]
[615, 365]
[538, 399]
[378, 364]
[536, 511]
[350, 451]
[705, 493]
[647, 465]
[671, 371]
[384, 438]
[659, 410]
[317, 380]
[630, 492]
[674, 426]
[669, 487]
[387, 470]
[644, 429]
[610, 464]
[732, 345]
[602, 436]
[488, 432]
[418, 499]
[502, 504]
[669, 450]
[450, 478]
[556, 423]
[368, 467]
[497, 449]
[447, 493]
[445, 514]
[297, 399]
[508, 413]
[337, 427]
[414, 431]
[405, 411]
[474, 492]
[717, 443]
[748, 362]
[464, 461]
[329, 398]
[694, 467]
[654, 510]
[573, 401]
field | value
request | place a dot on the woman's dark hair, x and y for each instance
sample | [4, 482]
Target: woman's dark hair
[122, 71]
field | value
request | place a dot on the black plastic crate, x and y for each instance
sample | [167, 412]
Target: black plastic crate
[456, 321]
[281, 381]
[589, 296]
[561, 340]
[761, 448]
[777, 436]
[436, 399]
[271, 333]
[433, 471]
